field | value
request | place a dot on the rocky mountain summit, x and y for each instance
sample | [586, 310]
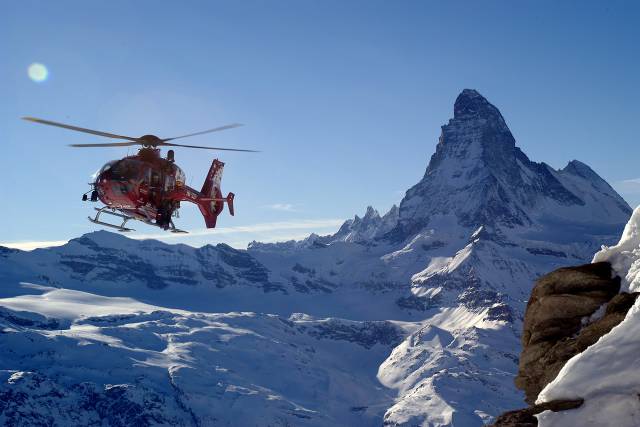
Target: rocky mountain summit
[481, 178]
[370, 227]
[408, 318]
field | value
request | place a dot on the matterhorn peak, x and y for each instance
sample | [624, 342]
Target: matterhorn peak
[470, 104]
[478, 176]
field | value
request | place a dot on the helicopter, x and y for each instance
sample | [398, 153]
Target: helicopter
[147, 187]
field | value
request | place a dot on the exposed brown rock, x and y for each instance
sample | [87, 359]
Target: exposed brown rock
[556, 324]
[525, 417]
[560, 322]
[621, 303]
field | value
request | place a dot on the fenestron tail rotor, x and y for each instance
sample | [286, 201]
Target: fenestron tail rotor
[146, 140]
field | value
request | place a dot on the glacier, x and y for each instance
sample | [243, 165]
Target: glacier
[407, 318]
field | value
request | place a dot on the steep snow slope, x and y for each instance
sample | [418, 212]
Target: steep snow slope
[434, 290]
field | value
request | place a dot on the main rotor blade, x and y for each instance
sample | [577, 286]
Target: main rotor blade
[78, 129]
[231, 126]
[107, 144]
[205, 148]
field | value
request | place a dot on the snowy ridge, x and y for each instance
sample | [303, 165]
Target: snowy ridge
[409, 318]
[367, 228]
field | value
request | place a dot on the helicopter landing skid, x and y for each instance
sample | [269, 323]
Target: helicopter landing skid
[111, 211]
[172, 228]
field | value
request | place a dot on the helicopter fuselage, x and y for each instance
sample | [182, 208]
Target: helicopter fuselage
[150, 188]
[137, 181]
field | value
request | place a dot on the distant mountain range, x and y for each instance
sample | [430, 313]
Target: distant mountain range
[407, 318]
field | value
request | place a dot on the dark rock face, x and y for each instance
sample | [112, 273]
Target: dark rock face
[366, 334]
[569, 310]
[102, 256]
[526, 417]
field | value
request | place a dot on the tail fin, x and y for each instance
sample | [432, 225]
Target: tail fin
[229, 199]
[211, 203]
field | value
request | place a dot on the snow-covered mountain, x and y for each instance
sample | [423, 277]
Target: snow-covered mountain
[410, 318]
[471, 237]
[480, 178]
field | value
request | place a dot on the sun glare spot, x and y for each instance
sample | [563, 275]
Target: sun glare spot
[38, 72]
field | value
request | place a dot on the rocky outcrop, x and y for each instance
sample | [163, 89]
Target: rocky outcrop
[526, 417]
[568, 311]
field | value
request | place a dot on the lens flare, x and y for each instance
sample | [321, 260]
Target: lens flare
[38, 72]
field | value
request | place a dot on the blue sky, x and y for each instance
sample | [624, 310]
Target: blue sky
[344, 98]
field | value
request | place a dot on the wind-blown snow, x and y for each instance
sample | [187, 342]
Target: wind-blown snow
[625, 256]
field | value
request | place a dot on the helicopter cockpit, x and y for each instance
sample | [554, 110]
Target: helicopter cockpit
[106, 167]
[127, 170]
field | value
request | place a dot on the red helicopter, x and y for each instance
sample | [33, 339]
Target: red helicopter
[149, 188]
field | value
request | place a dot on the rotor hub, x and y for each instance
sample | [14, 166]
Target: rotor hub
[150, 140]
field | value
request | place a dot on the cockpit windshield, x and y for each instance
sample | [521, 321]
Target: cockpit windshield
[126, 170]
[107, 166]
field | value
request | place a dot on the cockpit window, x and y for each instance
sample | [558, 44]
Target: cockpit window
[107, 166]
[126, 170]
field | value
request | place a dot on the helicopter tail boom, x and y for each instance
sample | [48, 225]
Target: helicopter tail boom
[210, 201]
